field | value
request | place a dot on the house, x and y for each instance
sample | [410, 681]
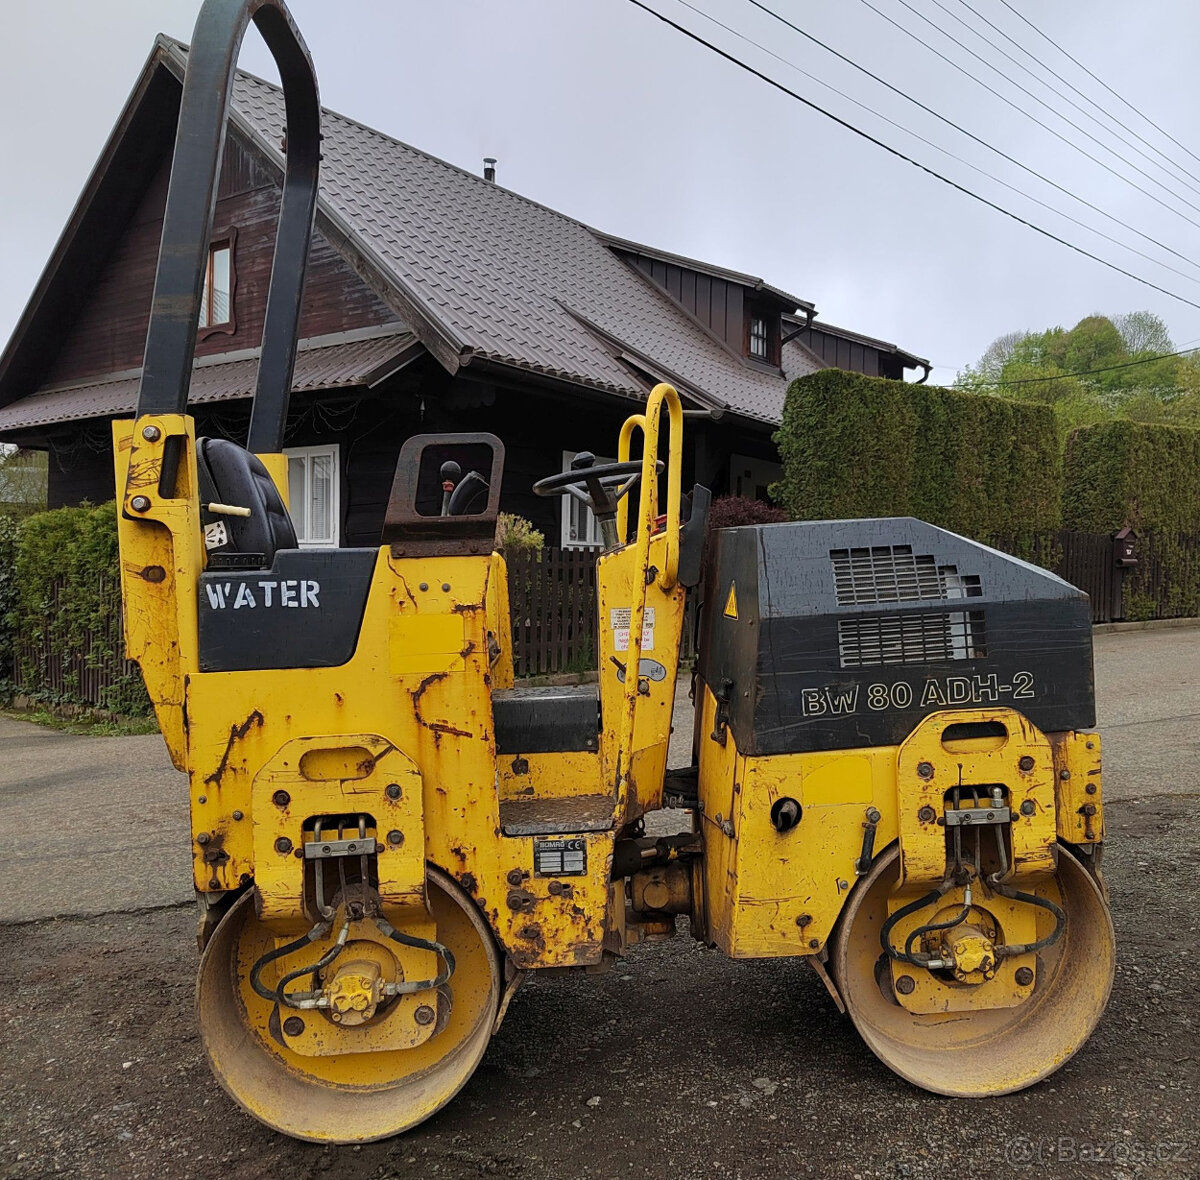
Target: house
[436, 300]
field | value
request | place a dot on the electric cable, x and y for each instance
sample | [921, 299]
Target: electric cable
[1140, 114]
[734, 60]
[1009, 102]
[950, 123]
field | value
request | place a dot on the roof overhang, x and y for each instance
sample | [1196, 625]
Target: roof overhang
[334, 362]
[907, 360]
[753, 282]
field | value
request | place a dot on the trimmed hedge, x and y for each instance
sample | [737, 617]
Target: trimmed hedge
[1128, 473]
[65, 600]
[855, 446]
[1148, 477]
[8, 596]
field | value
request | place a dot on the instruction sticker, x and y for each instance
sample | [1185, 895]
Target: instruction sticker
[620, 617]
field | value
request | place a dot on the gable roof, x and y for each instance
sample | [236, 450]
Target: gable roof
[483, 276]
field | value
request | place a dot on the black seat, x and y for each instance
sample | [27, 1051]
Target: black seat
[230, 474]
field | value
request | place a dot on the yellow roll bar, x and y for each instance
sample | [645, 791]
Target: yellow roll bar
[667, 577]
[648, 423]
[633, 422]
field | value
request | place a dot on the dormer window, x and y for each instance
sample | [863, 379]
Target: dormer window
[759, 340]
[216, 298]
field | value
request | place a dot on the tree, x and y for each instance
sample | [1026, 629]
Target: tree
[1102, 368]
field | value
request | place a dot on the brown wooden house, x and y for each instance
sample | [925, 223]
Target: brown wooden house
[436, 300]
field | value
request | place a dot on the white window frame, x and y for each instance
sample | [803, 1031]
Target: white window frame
[593, 540]
[332, 450]
[208, 294]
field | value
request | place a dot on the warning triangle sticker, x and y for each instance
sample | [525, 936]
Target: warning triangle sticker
[731, 602]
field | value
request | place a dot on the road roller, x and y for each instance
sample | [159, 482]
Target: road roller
[895, 778]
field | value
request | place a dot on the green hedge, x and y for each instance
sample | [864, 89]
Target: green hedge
[8, 596]
[65, 602]
[1128, 473]
[855, 446]
[1148, 477]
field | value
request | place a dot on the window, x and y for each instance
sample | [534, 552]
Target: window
[759, 341]
[314, 491]
[216, 300]
[579, 527]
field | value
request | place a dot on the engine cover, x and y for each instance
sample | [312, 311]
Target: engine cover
[844, 634]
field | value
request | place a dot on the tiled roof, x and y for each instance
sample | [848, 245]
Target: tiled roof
[507, 278]
[328, 366]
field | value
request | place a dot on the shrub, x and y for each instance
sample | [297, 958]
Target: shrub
[855, 446]
[66, 602]
[515, 534]
[728, 512]
[1148, 477]
[8, 597]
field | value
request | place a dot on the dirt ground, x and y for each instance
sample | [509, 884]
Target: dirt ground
[678, 1063]
[702, 1066]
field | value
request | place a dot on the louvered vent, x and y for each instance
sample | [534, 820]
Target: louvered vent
[873, 641]
[893, 573]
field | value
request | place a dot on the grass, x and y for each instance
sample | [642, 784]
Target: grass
[86, 724]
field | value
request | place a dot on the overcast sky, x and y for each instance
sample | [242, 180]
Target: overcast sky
[598, 110]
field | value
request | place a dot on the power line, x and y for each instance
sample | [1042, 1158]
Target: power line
[1119, 98]
[1042, 102]
[1033, 118]
[962, 130]
[1148, 360]
[902, 156]
[1066, 98]
[1071, 85]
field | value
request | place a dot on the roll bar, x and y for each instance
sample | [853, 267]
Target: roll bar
[191, 203]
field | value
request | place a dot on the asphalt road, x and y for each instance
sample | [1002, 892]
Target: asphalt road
[678, 1063]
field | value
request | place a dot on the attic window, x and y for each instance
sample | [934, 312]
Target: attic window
[760, 342]
[761, 339]
[216, 300]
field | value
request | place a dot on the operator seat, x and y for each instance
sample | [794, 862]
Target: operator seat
[229, 474]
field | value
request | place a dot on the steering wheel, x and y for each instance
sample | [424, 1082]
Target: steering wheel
[599, 486]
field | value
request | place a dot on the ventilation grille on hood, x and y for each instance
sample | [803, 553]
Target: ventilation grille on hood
[893, 573]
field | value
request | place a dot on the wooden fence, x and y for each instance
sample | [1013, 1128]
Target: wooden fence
[91, 669]
[552, 594]
[552, 598]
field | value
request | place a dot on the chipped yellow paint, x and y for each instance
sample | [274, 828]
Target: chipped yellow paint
[546, 776]
[343, 774]
[975, 763]
[1079, 802]
[162, 554]
[434, 642]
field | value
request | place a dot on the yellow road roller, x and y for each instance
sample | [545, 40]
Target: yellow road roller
[893, 775]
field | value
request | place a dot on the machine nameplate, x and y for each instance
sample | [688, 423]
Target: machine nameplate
[560, 858]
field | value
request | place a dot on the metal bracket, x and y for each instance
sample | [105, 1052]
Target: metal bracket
[723, 694]
[314, 850]
[976, 816]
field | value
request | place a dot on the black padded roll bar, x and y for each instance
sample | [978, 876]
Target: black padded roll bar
[191, 202]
